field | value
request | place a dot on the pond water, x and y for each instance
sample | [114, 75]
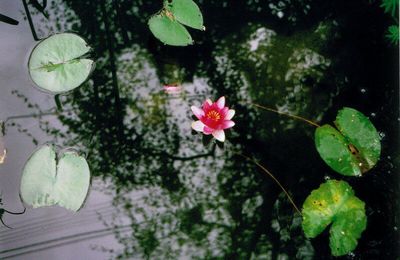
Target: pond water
[158, 191]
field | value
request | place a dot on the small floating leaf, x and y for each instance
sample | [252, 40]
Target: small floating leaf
[40, 7]
[57, 64]
[334, 203]
[186, 12]
[46, 181]
[169, 31]
[354, 148]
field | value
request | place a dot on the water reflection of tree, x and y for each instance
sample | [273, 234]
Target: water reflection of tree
[180, 198]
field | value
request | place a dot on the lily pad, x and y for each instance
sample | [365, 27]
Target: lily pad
[334, 203]
[58, 63]
[168, 30]
[351, 149]
[167, 24]
[48, 180]
[186, 12]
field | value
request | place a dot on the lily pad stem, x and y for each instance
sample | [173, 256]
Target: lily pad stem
[288, 115]
[15, 213]
[275, 179]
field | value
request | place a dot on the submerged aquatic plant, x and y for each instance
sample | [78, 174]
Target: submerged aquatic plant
[214, 118]
[391, 7]
[393, 34]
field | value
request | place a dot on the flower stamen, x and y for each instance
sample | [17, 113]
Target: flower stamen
[213, 115]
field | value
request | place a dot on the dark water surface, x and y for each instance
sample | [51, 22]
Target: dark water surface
[157, 191]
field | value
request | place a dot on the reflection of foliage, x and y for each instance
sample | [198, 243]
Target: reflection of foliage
[281, 71]
[9, 20]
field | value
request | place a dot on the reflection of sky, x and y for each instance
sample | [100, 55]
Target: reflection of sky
[45, 224]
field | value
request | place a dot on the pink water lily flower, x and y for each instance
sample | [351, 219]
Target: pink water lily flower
[213, 118]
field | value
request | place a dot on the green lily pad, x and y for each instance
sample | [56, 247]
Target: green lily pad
[57, 64]
[334, 203]
[186, 12]
[354, 148]
[167, 26]
[48, 180]
[169, 31]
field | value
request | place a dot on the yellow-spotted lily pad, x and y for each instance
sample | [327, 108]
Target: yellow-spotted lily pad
[335, 204]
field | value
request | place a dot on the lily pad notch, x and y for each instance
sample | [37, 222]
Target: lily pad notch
[48, 179]
[353, 147]
[60, 63]
[168, 24]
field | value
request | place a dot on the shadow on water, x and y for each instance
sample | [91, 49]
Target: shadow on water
[180, 198]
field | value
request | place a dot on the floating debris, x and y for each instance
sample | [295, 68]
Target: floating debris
[3, 151]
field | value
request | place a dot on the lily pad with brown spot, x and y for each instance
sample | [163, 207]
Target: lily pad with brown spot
[168, 24]
[351, 149]
[186, 12]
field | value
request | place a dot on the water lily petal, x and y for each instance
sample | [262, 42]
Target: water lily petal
[229, 115]
[198, 112]
[227, 124]
[207, 104]
[219, 135]
[224, 111]
[221, 102]
[208, 130]
[198, 126]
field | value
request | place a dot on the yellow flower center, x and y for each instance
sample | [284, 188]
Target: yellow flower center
[213, 115]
